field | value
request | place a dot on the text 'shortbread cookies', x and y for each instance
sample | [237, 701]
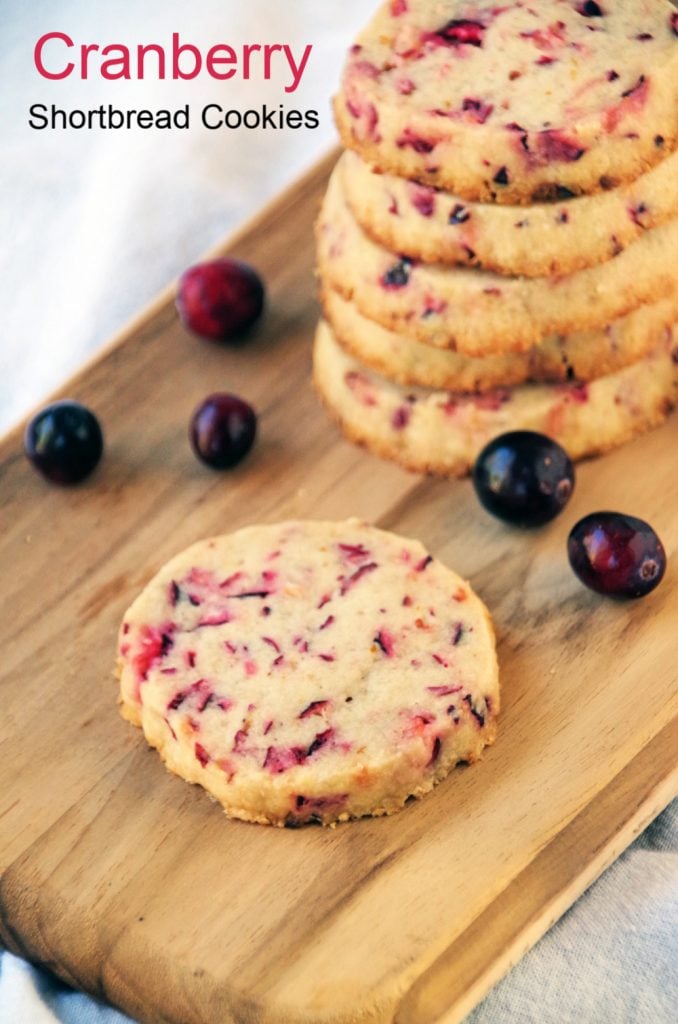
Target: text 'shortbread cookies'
[477, 312]
[514, 102]
[440, 432]
[548, 238]
[576, 357]
[310, 670]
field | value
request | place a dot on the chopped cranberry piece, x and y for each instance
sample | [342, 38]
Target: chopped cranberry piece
[320, 741]
[424, 563]
[201, 754]
[459, 215]
[480, 719]
[435, 751]
[477, 109]
[355, 553]
[423, 200]
[153, 644]
[636, 213]
[443, 691]
[347, 584]
[279, 759]
[385, 641]
[590, 9]
[415, 142]
[462, 32]
[638, 87]
[553, 145]
[401, 418]
[316, 707]
[398, 276]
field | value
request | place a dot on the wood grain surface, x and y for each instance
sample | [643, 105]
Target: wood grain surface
[132, 885]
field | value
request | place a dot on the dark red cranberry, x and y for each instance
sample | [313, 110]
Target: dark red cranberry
[222, 430]
[398, 275]
[459, 214]
[616, 554]
[461, 31]
[590, 9]
[64, 442]
[221, 299]
[524, 478]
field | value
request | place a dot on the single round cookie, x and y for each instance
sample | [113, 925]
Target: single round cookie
[477, 312]
[578, 357]
[549, 238]
[443, 433]
[310, 670]
[514, 102]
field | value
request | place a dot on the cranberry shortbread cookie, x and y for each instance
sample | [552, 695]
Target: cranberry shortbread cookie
[584, 356]
[310, 670]
[477, 312]
[514, 102]
[442, 432]
[549, 238]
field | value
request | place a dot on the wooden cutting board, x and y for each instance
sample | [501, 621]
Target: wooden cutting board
[132, 885]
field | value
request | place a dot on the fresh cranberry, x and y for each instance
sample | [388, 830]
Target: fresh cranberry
[524, 478]
[221, 299]
[64, 442]
[616, 554]
[222, 431]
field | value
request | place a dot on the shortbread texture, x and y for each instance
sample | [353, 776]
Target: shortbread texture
[428, 224]
[480, 313]
[581, 357]
[440, 432]
[514, 102]
[310, 671]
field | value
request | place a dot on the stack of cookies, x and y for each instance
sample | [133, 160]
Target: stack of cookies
[498, 244]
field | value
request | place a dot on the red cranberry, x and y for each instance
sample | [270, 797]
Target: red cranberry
[221, 299]
[222, 431]
[590, 9]
[616, 554]
[462, 31]
[524, 478]
[64, 442]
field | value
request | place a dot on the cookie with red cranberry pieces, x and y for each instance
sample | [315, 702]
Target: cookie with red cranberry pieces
[477, 312]
[548, 238]
[583, 356]
[442, 432]
[513, 102]
[310, 671]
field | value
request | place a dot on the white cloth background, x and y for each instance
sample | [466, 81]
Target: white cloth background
[92, 225]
